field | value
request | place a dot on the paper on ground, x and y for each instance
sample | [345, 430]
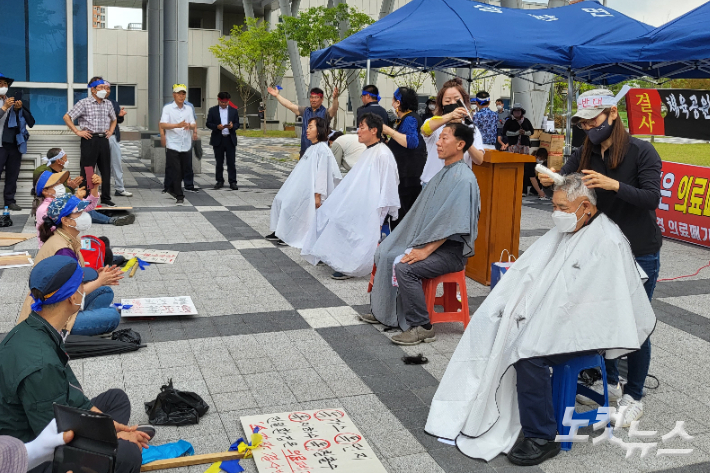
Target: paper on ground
[149, 256]
[159, 307]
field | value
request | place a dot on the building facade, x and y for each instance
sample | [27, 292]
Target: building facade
[99, 17]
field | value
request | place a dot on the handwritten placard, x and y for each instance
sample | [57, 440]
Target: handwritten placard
[150, 256]
[311, 441]
[159, 307]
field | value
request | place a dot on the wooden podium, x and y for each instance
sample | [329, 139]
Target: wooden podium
[500, 179]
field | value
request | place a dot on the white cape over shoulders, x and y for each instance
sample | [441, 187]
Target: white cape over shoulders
[293, 211]
[347, 226]
[569, 292]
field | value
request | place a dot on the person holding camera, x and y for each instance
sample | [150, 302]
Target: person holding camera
[15, 118]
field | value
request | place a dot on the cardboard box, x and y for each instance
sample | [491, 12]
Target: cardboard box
[545, 140]
[557, 144]
[536, 134]
[555, 161]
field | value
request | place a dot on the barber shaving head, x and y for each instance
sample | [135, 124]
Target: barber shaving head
[370, 94]
[573, 203]
[99, 88]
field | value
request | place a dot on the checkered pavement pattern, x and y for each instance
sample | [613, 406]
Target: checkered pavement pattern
[276, 334]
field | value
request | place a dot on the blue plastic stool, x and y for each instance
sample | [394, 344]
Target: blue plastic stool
[565, 389]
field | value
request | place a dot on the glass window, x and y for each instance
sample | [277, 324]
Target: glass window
[14, 61]
[80, 94]
[81, 39]
[126, 95]
[194, 96]
[48, 106]
[47, 43]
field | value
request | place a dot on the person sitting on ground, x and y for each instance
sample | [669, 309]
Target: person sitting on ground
[51, 185]
[64, 221]
[450, 108]
[518, 130]
[346, 148]
[530, 175]
[348, 224]
[34, 369]
[435, 238]
[56, 161]
[311, 182]
[576, 291]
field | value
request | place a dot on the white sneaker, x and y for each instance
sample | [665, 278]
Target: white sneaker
[634, 410]
[124, 193]
[598, 387]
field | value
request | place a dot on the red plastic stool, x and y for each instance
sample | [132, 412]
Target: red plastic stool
[454, 311]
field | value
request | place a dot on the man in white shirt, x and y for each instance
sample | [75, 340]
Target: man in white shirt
[180, 129]
[346, 148]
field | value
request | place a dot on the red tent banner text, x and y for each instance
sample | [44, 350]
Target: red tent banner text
[683, 113]
[684, 210]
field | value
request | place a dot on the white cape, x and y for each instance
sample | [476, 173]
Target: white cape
[293, 211]
[435, 164]
[569, 292]
[347, 227]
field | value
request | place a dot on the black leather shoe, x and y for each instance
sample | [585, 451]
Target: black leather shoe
[530, 451]
[219, 185]
[233, 186]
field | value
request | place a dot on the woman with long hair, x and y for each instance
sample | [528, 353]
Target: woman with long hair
[408, 148]
[66, 218]
[625, 172]
[451, 103]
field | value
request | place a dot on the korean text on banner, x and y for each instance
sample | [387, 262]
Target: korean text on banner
[643, 108]
[683, 113]
[684, 210]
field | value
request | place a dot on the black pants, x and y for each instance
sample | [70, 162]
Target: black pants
[10, 160]
[188, 176]
[129, 456]
[177, 163]
[96, 152]
[537, 415]
[407, 196]
[225, 148]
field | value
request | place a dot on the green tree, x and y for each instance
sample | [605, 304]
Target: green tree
[407, 77]
[320, 27]
[256, 56]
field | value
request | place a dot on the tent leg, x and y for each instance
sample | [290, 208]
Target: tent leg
[568, 130]
[367, 75]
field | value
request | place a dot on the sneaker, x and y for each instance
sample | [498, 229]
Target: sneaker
[369, 318]
[147, 429]
[123, 193]
[124, 220]
[107, 203]
[544, 197]
[218, 186]
[614, 393]
[281, 243]
[272, 237]
[194, 190]
[180, 201]
[14, 207]
[634, 410]
[234, 186]
[340, 276]
[415, 336]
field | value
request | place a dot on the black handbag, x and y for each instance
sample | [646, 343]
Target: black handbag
[94, 445]
[174, 407]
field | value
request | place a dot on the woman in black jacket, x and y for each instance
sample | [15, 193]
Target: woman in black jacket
[407, 145]
[518, 130]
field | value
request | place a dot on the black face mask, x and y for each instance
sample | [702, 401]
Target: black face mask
[450, 108]
[601, 133]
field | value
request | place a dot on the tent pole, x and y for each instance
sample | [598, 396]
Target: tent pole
[568, 131]
[367, 75]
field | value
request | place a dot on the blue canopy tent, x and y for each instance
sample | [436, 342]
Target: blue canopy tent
[678, 49]
[439, 34]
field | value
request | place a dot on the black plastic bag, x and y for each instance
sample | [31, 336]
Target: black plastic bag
[173, 407]
[5, 221]
[127, 335]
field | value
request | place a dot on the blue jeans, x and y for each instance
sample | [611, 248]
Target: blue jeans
[640, 360]
[98, 217]
[98, 316]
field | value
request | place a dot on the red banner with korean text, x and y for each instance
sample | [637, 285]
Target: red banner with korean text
[684, 210]
[643, 109]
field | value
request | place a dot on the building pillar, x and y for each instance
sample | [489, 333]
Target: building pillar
[175, 47]
[248, 8]
[295, 59]
[155, 62]
[219, 18]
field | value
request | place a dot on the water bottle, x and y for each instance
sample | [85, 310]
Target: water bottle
[6, 211]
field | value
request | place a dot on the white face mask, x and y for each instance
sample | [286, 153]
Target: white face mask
[499, 107]
[101, 94]
[59, 190]
[83, 222]
[566, 222]
[3, 90]
[432, 106]
[83, 300]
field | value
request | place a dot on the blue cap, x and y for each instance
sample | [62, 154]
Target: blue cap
[56, 273]
[9, 80]
[64, 206]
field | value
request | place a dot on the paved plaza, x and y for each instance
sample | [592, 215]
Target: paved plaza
[276, 334]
